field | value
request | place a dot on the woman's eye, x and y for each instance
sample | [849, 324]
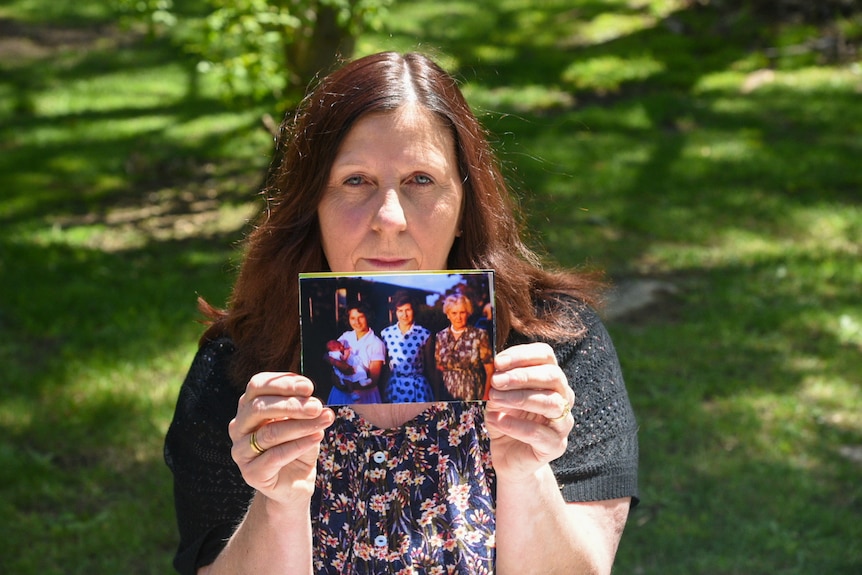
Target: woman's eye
[353, 181]
[422, 179]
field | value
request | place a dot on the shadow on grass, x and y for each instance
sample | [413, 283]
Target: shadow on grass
[97, 173]
[622, 188]
[85, 517]
[85, 159]
[71, 303]
[81, 470]
[735, 437]
[568, 157]
[94, 299]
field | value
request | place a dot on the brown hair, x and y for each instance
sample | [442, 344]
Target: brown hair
[263, 316]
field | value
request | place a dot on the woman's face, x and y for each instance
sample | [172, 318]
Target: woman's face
[358, 321]
[393, 197]
[457, 315]
[404, 313]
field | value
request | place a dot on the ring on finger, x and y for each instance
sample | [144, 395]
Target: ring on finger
[566, 408]
[252, 440]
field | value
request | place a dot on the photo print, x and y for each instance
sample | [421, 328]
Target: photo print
[398, 337]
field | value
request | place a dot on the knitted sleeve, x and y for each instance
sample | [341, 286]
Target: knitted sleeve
[210, 495]
[601, 459]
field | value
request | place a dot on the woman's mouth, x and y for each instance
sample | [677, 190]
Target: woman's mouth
[369, 264]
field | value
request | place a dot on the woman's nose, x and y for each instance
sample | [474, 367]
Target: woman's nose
[390, 215]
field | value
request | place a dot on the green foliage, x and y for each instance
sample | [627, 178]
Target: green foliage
[261, 48]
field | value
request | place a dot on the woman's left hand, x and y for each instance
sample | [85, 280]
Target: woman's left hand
[528, 414]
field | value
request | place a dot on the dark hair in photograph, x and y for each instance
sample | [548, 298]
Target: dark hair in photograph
[400, 298]
[361, 308]
[262, 316]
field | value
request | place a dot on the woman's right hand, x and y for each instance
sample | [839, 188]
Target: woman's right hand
[289, 424]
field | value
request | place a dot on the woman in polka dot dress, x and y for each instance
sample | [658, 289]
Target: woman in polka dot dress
[407, 351]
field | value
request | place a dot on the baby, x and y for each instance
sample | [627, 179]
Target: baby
[339, 350]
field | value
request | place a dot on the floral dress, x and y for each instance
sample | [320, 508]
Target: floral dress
[418, 499]
[407, 381]
[462, 361]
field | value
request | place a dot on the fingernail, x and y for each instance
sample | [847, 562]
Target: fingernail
[502, 362]
[500, 380]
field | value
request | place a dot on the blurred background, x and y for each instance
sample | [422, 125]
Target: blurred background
[706, 153]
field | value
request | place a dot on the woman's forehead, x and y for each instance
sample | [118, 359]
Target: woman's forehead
[427, 134]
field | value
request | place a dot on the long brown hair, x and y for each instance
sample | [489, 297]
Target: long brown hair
[263, 315]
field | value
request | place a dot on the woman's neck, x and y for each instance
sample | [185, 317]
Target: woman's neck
[387, 416]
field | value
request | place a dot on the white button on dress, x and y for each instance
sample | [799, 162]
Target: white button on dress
[380, 541]
[379, 457]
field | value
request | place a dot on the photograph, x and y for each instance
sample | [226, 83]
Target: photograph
[398, 337]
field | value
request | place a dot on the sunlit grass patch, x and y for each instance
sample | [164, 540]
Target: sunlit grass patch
[129, 90]
[606, 27]
[604, 74]
[534, 99]
[51, 10]
[838, 402]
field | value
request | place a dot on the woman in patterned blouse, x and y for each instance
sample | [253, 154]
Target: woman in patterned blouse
[384, 167]
[463, 352]
[407, 351]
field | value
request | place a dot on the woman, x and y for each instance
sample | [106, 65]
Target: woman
[384, 167]
[462, 353]
[367, 350]
[406, 351]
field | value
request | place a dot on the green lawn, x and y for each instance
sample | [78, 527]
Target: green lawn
[657, 139]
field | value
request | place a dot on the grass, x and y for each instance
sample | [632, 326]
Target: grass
[645, 138]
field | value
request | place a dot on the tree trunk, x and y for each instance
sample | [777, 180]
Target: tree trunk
[318, 50]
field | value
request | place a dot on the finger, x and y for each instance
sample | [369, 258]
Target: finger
[267, 409]
[272, 396]
[564, 414]
[286, 430]
[547, 441]
[525, 355]
[280, 432]
[545, 376]
[551, 405]
[284, 454]
[263, 472]
[282, 384]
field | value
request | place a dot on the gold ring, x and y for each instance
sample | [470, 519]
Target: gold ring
[567, 407]
[252, 440]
